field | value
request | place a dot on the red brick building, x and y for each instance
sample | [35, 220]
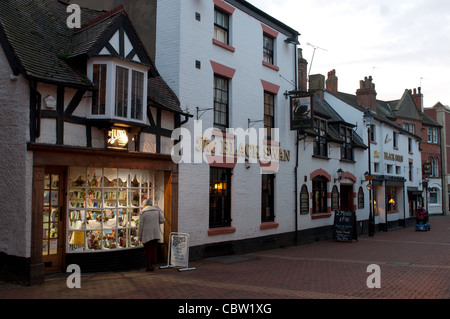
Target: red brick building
[441, 114]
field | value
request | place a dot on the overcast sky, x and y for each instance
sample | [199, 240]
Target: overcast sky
[403, 44]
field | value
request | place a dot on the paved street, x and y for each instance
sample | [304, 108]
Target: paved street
[413, 265]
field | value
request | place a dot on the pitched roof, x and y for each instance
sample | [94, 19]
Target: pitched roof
[38, 37]
[42, 47]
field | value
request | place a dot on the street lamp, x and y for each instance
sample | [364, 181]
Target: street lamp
[368, 118]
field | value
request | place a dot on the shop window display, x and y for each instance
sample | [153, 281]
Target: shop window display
[104, 206]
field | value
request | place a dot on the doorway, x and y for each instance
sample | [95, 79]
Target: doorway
[346, 200]
[53, 219]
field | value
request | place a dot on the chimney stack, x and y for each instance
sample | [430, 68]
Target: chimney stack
[366, 94]
[317, 85]
[302, 72]
[332, 81]
[417, 97]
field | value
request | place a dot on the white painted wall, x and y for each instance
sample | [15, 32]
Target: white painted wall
[16, 168]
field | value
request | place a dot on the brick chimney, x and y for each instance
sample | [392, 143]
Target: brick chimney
[317, 85]
[366, 94]
[302, 72]
[332, 81]
[417, 97]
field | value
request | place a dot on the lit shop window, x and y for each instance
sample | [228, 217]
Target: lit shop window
[104, 205]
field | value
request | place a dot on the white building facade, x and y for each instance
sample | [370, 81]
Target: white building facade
[395, 157]
[230, 65]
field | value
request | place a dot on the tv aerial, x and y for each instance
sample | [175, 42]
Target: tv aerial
[315, 47]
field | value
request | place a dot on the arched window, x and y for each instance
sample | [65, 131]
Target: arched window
[319, 198]
[360, 198]
[304, 200]
[335, 198]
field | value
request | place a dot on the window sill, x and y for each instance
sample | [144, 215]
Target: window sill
[268, 225]
[221, 231]
[270, 66]
[223, 45]
[321, 157]
[320, 215]
[392, 211]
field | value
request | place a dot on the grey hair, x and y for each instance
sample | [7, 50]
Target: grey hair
[147, 202]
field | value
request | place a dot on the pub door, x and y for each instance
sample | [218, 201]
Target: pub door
[53, 243]
[346, 200]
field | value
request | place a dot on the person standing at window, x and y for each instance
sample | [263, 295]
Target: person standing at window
[149, 232]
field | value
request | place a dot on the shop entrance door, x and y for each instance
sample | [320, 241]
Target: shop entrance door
[53, 220]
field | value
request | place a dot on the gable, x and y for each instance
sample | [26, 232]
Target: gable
[406, 108]
[121, 40]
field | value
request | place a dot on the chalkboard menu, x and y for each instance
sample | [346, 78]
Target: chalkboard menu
[344, 228]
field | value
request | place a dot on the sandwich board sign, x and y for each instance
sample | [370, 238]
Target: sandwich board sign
[178, 256]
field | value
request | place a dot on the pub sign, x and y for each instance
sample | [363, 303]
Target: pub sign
[301, 112]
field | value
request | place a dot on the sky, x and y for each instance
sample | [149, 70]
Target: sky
[402, 44]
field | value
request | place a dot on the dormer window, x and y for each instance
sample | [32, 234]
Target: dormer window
[120, 89]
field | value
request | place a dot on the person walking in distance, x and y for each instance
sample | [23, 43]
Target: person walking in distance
[149, 232]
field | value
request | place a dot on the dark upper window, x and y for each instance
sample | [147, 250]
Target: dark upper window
[137, 95]
[320, 141]
[268, 48]
[346, 147]
[269, 122]
[99, 96]
[220, 102]
[121, 106]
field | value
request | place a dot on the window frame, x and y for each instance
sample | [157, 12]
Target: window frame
[320, 141]
[267, 197]
[346, 147]
[220, 180]
[220, 27]
[269, 117]
[268, 52]
[361, 202]
[99, 78]
[112, 64]
[319, 195]
[220, 102]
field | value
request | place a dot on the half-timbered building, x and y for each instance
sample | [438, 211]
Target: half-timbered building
[86, 136]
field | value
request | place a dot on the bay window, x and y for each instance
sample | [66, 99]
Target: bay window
[120, 90]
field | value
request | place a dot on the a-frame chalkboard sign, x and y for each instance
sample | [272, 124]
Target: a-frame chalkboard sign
[344, 227]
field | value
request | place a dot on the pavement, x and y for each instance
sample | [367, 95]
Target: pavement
[411, 265]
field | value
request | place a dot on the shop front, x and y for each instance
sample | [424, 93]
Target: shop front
[389, 201]
[87, 204]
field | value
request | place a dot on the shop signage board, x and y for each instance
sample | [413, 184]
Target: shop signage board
[178, 256]
[344, 227]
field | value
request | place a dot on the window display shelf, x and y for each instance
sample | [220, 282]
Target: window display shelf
[103, 207]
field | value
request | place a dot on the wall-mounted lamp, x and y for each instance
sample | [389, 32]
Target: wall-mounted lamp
[340, 172]
[366, 177]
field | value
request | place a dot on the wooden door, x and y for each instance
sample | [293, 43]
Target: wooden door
[53, 222]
